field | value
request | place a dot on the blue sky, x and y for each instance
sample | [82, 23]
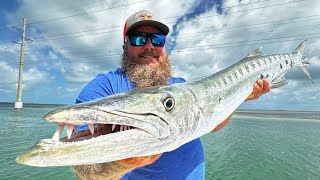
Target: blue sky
[73, 41]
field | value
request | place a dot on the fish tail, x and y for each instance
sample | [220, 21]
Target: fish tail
[301, 64]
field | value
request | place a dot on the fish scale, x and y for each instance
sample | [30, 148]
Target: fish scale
[162, 118]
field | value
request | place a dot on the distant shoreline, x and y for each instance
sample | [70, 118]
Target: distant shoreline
[238, 111]
[34, 105]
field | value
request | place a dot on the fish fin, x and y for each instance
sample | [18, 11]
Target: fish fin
[306, 72]
[256, 52]
[301, 49]
[278, 82]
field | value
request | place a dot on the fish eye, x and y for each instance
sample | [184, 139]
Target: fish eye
[168, 102]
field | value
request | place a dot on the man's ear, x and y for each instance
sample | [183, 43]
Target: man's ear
[125, 46]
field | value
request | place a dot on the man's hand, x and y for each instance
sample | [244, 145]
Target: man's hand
[259, 88]
[112, 170]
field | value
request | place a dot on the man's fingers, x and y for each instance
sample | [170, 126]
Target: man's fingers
[257, 88]
[260, 87]
[266, 86]
[260, 83]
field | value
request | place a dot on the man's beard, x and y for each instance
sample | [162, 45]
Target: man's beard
[143, 75]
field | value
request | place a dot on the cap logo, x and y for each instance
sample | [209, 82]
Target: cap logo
[145, 17]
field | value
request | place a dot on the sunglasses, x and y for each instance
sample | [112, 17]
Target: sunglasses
[140, 39]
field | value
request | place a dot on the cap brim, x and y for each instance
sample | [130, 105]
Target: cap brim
[162, 27]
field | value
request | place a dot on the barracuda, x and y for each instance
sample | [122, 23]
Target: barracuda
[157, 119]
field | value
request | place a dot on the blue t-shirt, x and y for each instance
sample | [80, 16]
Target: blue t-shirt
[186, 162]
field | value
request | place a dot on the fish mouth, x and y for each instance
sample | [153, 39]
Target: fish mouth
[103, 122]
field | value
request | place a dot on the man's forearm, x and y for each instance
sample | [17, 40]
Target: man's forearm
[110, 170]
[221, 125]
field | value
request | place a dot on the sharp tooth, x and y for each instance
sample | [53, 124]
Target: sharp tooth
[57, 134]
[69, 130]
[121, 128]
[91, 127]
[113, 126]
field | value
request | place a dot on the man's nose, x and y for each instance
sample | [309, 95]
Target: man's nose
[149, 44]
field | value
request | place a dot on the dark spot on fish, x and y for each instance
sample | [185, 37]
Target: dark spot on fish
[253, 65]
[281, 66]
[235, 75]
[292, 64]
[225, 81]
[240, 71]
[247, 68]
[220, 100]
[261, 76]
[287, 62]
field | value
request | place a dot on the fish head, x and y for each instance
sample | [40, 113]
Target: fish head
[157, 120]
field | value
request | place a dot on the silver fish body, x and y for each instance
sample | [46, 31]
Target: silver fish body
[163, 118]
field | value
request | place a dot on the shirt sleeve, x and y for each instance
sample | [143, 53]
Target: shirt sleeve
[100, 86]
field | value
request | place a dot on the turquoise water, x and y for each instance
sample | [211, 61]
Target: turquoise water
[254, 145]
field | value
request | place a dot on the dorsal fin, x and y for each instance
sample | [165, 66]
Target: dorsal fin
[256, 52]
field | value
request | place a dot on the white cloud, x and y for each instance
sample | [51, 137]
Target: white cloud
[79, 72]
[78, 59]
[192, 63]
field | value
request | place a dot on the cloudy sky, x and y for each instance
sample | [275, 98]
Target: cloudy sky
[70, 42]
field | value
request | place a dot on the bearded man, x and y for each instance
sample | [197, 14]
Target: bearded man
[145, 63]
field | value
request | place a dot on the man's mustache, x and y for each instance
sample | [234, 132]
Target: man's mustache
[149, 53]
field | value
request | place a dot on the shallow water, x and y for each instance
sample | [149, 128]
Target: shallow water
[254, 145]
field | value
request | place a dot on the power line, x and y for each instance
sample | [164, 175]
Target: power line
[43, 37]
[85, 35]
[188, 49]
[57, 10]
[228, 7]
[284, 21]
[81, 49]
[37, 22]
[123, 24]
[163, 18]
[291, 20]
[280, 4]
[247, 44]
[252, 40]
[192, 34]
[291, 29]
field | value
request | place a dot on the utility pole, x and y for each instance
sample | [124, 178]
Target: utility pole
[18, 104]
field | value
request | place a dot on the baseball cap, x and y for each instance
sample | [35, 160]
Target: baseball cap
[143, 18]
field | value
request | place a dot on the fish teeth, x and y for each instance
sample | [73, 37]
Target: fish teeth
[91, 128]
[70, 128]
[113, 127]
[57, 134]
[122, 127]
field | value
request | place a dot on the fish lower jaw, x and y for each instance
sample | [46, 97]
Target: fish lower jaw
[93, 131]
